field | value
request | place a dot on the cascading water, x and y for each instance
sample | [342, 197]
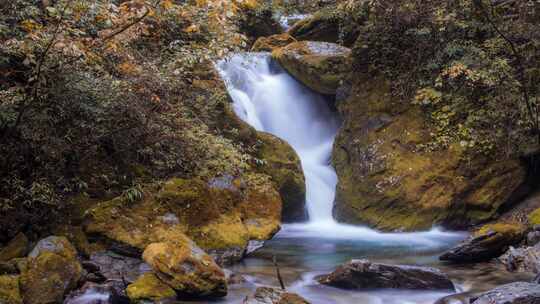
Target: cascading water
[270, 100]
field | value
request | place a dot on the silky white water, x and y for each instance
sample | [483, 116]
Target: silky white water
[270, 100]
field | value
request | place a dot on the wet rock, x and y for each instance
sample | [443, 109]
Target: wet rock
[16, 248]
[52, 271]
[148, 287]
[269, 295]
[363, 274]
[321, 66]
[187, 269]
[270, 43]
[76, 236]
[112, 267]
[92, 293]
[533, 238]
[489, 242]
[513, 293]
[9, 290]
[522, 259]
[234, 278]
[459, 298]
[283, 165]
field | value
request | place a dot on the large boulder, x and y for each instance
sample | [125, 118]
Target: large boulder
[283, 165]
[487, 243]
[187, 269]
[149, 288]
[323, 26]
[16, 248]
[321, 66]
[220, 215]
[363, 274]
[257, 18]
[9, 290]
[52, 271]
[270, 295]
[513, 293]
[270, 43]
[389, 180]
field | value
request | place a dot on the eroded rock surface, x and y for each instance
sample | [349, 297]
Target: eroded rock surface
[513, 293]
[363, 274]
[269, 295]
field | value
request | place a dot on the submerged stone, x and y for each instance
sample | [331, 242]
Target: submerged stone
[270, 295]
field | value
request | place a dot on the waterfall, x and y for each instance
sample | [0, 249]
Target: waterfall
[270, 100]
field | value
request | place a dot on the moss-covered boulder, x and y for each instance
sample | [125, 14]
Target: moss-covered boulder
[221, 214]
[268, 44]
[148, 287]
[51, 272]
[283, 165]
[186, 268]
[16, 248]
[324, 26]
[9, 290]
[321, 66]
[488, 242]
[257, 18]
[390, 178]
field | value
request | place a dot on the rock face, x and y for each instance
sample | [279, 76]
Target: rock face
[283, 165]
[513, 293]
[220, 215]
[489, 242]
[52, 271]
[268, 44]
[362, 274]
[149, 288]
[386, 180]
[522, 259]
[16, 248]
[321, 66]
[9, 290]
[187, 269]
[268, 295]
[321, 26]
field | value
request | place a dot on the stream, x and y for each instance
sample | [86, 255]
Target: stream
[270, 100]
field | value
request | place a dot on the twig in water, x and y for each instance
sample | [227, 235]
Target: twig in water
[278, 273]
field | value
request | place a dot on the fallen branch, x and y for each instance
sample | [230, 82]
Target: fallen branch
[127, 26]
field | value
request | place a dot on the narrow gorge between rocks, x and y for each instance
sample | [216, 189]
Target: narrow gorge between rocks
[272, 101]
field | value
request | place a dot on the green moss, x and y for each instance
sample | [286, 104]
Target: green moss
[534, 217]
[9, 290]
[150, 288]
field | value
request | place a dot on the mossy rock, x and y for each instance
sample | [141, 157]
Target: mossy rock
[9, 290]
[270, 43]
[283, 165]
[321, 26]
[149, 287]
[321, 66]
[76, 236]
[388, 182]
[16, 248]
[534, 217]
[486, 243]
[186, 268]
[257, 18]
[51, 272]
[213, 213]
